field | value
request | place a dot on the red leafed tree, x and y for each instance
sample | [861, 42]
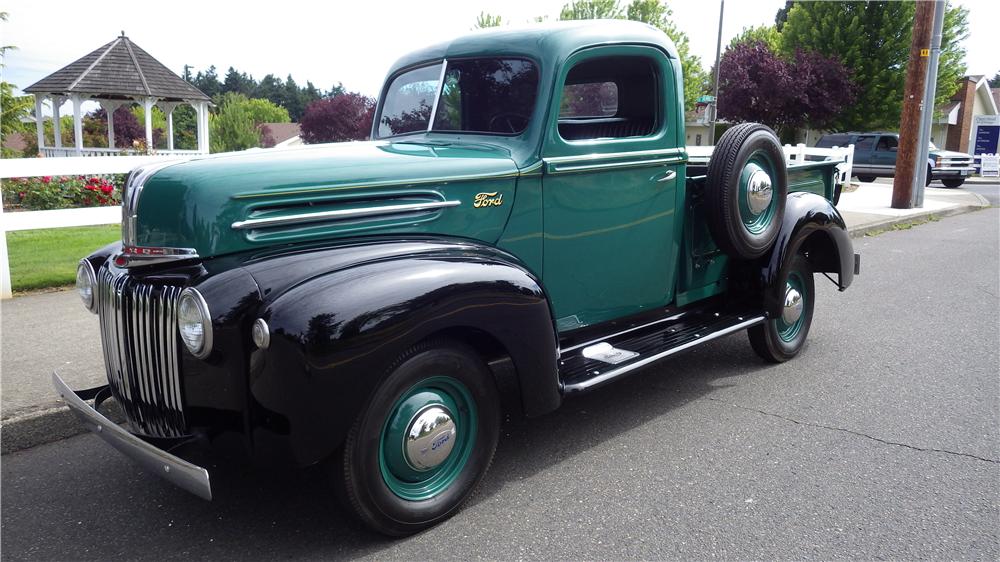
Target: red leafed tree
[756, 84]
[344, 117]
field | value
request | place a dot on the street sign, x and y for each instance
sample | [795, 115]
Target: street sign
[990, 166]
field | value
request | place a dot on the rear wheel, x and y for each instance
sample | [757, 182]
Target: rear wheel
[782, 338]
[867, 179]
[424, 441]
[953, 183]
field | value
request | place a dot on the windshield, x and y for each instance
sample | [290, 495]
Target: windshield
[490, 96]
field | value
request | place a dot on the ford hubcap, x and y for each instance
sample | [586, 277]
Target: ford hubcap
[430, 438]
[759, 191]
[793, 313]
[757, 204]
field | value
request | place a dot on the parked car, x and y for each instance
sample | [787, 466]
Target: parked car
[875, 156]
[524, 226]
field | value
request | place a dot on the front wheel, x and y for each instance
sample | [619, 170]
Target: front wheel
[424, 442]
[953, 183]
[782, 338]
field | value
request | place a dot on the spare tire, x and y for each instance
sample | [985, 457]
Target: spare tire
[746, 189]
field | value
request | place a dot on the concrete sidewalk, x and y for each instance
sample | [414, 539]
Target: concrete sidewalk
[45, 332]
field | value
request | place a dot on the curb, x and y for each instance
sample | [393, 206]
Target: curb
[36, 425]
[880, 226]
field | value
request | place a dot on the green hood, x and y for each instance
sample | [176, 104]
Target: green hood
[234, 202]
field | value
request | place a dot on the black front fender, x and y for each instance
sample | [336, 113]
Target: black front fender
[335, 334]
[813, 226]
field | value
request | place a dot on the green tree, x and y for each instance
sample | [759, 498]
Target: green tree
[995, 81]
[237, 123]
[592, 10]
[13, 111]
[873, 40]
[766, 33]
[486, 19]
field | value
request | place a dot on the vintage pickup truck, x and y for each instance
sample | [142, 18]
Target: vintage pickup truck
[524, 225]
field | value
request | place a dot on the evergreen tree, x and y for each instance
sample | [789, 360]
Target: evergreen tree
[487, 19]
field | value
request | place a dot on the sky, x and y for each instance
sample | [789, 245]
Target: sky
[329, 42]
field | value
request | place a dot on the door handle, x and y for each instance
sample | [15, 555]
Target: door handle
[671, 174]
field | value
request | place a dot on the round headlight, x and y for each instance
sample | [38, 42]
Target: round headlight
[194, 323]
[86, 283]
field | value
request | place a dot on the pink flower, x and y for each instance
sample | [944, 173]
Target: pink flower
[107, 189]
[46, 179]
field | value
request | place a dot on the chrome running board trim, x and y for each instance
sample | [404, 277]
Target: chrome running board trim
[614, 373]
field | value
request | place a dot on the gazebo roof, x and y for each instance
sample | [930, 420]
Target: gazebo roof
[118, 70]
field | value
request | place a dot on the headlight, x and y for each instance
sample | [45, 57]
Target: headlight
[86, 282]
[194, 323]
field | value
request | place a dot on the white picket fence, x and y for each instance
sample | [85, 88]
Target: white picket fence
[796, 155]
[69, 166]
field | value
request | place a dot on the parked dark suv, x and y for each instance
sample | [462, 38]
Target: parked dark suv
[875, 156]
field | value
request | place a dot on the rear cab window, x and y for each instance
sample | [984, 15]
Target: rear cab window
[608, 98]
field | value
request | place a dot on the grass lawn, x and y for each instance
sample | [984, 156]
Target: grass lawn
[47, 258]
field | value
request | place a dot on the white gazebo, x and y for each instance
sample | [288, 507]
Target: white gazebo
[119, 73]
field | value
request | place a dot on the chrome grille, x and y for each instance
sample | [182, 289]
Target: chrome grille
[139, 338]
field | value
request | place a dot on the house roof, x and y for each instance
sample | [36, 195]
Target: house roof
[118, 70]
[281, 132]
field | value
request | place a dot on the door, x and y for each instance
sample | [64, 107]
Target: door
[884, 157]
[864, 148]
[613, 175]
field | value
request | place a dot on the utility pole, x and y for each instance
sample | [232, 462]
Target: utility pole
[909, 125]
[927, 109]
[715, 89]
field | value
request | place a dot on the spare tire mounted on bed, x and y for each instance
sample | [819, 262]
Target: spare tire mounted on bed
[745, 191]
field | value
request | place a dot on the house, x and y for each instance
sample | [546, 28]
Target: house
[954, 129]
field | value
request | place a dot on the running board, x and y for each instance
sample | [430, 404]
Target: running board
[590, 365]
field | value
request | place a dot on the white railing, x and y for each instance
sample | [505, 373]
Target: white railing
[62, 152]
[797, 154]
[69, 166]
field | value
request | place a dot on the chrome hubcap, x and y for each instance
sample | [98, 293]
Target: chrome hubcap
[430, 437]
[793, 306]
[759, 192]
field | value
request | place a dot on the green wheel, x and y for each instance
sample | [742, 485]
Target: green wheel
[782, 338]
[424, 441]
[745, 191]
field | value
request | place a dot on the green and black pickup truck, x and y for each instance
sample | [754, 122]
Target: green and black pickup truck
[524, 225]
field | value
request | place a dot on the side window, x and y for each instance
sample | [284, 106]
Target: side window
[887, 143]
[866, 142]
[608, 98]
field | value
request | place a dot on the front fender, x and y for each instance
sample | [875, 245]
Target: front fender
[811, 224]
[334, 335]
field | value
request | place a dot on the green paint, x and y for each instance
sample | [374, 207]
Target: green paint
[403, 479]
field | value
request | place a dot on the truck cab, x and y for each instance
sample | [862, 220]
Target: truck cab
[524, 224]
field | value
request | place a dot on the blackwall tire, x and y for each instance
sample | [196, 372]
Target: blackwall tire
[777, 340]
[866, 179]
[953, 183]
[746, 189]
[388, 471]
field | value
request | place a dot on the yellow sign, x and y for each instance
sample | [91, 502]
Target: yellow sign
[925, 52]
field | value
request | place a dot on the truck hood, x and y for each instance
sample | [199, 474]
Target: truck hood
[223, 204]
[948, 154]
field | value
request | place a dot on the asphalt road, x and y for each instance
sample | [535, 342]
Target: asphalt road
[880, 441]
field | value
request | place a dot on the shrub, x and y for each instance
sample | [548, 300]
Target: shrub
[60, 192]
[341, 118]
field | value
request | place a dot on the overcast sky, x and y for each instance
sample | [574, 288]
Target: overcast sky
[330, 42]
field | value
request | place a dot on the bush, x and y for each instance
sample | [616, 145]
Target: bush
[61, 192]
[341, 118]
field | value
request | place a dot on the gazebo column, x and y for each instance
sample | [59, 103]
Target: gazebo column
[77, 123]
[201, 109]
[168, 108]
[147, 105]
[57, 121]
[40, 121]
[109, 107]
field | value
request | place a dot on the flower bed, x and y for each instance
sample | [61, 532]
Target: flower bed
[61, 192]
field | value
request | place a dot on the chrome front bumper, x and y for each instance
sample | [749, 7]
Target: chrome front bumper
[175, 469]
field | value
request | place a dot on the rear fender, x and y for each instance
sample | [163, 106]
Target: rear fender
[814, 226]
